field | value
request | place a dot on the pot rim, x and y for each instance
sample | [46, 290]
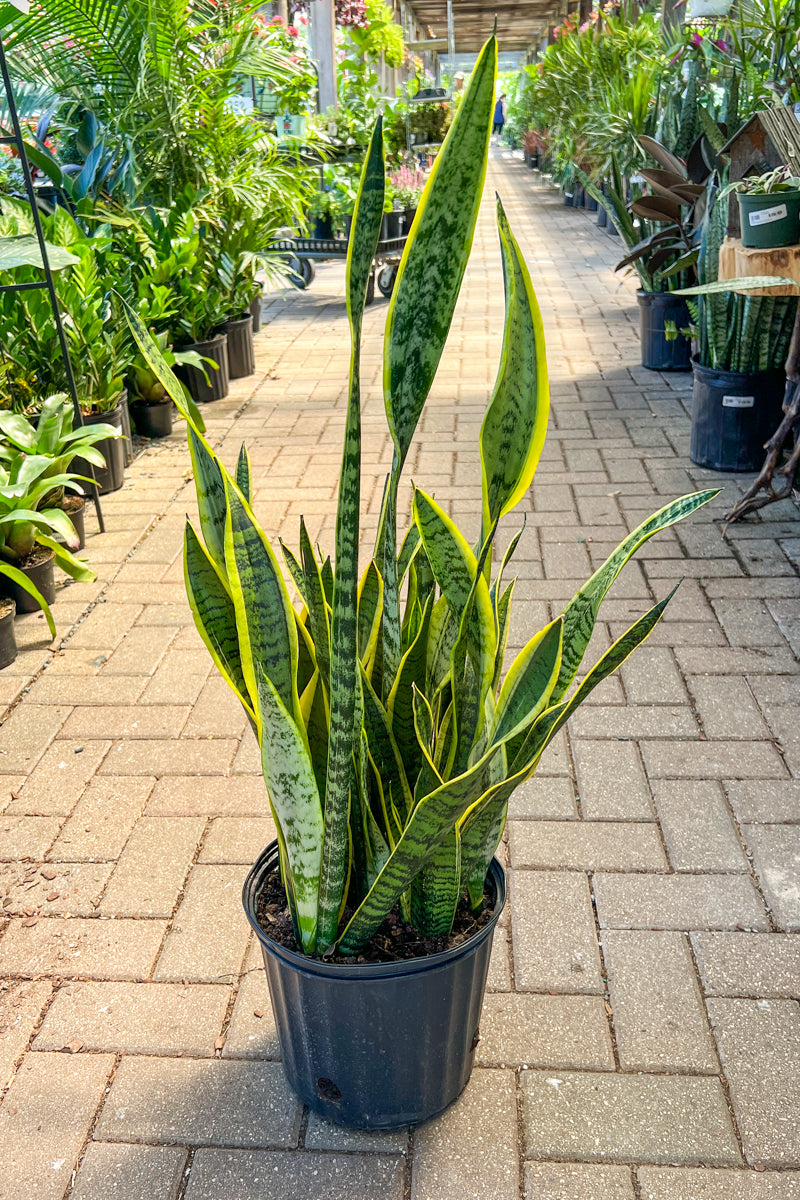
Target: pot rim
[765, 199]
[11, 614]
[643, 296]
[733, 376]
[268, 858]
[212, 341]
[234, 322]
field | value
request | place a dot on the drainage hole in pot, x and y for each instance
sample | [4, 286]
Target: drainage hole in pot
[327, 1090]
[476, 1037]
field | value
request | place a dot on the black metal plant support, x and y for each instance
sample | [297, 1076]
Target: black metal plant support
[15, 139]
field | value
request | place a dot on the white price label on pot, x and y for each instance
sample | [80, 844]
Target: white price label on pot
[738, 401]
[765, 216]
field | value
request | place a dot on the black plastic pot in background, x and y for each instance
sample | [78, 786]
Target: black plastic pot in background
[322, 228]
[40, 574]
[733, 415]
[568, 198]
[391, 226]
[153, 420]
[659, 354]
[602, 216]
[257, 310]
[217, 386]
[578, 195]
[589, 203]
[347, 222]
[75, 508]
[376, 1045]
[408, 220]
[112, 476]
[127, 435]
[241, 355]
[8, 643]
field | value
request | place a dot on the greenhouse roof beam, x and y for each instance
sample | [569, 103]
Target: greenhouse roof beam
[518, 21]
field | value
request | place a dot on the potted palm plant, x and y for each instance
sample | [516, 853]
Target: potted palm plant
[390, 737]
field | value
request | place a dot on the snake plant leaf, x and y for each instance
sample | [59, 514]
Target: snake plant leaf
[344, 668]
[22, 581]
[581, 612]
[744, 283]
[435, 257]
[455, 568]
[316, 723]
[209, 478]
[214, 614]
[244, 474]
[383, 747]
[295, 803]
[408, 550]
[317, 605]
[265, 618]
[530, 681]
[435, 891]
[480, 833]
[515, 424]
[163, 373]
[503, 627]
[370, 609]
[400, 708]
[552, 719]
[429, 825]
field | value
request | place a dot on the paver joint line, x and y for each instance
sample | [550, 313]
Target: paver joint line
[640, 1032]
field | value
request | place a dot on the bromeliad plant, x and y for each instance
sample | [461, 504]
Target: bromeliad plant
[391, 740]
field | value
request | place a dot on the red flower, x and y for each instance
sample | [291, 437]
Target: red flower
[293, 30]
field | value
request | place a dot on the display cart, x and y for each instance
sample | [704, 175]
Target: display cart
[303, 253]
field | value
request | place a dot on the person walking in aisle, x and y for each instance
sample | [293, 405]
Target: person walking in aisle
[499, 115]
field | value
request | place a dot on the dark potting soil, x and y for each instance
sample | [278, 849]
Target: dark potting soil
[394, 941]
[37, 555]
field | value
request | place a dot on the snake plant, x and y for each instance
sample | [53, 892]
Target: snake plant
[391, 738]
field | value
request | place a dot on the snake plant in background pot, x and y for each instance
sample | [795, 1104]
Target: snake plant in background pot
[391, 737]
[743, 343]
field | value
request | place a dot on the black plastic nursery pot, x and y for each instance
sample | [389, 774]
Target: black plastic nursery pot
[217, 386]
[589, 202]
[733, 415]
[391, 226]
[111, 477]
[241, 355]
[322, 227]
[75, 508]
[257, 310]
[40, 573]
[659, 354]
[8, 643]
[153, 420]
[602, 216]
[408, 220]
[376, 1045]
[127, 434]
[769, 220]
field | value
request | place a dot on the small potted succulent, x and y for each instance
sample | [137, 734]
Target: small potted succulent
[391, 738]
[769, 207]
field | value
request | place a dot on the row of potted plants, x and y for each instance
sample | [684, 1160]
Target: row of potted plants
[331, 210]
[43, 470]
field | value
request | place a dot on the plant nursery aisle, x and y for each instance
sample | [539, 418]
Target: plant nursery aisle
[641, 1035]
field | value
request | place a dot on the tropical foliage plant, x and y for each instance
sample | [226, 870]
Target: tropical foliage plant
[391, 736]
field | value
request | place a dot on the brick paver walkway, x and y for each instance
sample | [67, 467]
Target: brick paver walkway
[640, 1038]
